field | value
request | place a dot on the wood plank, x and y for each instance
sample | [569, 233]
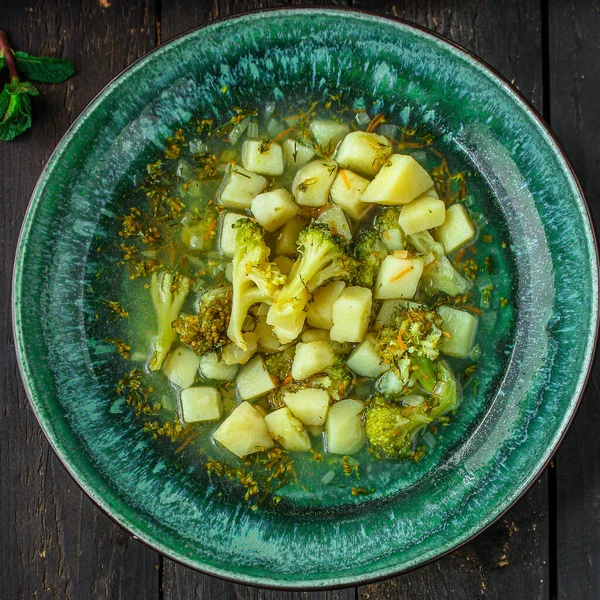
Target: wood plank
[509, 560]
[54, 542]
[573, 93]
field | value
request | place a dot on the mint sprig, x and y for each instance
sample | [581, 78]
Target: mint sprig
[15, 98]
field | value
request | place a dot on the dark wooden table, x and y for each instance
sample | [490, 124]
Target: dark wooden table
[56, 544]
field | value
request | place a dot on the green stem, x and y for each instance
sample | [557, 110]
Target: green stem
[9, 56]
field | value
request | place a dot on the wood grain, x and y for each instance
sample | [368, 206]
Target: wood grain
[55, 542]
[573, 50]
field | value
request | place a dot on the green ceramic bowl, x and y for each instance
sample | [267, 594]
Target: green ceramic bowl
[529, 385]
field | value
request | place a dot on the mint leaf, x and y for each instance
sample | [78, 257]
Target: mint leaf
[16, 116]
[44, 68]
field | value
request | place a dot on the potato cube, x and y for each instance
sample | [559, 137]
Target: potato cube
[228, 237]
[273, 209]
[244, 431]
[200, 404]
[287, 237]
[337, 221]
[234, 355]
[181, 367]
[363, 152]
[320, 310]
[431, 192]
[315, 335]
[267, 340]
[239, 187]
[400, 181]
[461, 329]
[328, 133]
[351, 314]
[212, 367]
[313, 181]
[398, 277]
[253, 380]
[423, 213]
[365, 360]
[344, 430]
[309, 405]
[346, 191]
[456, 230]
[311, 358]
[284, 264]
[264, 157]
[393, 239]
[288, 431]
[315, 431]
[297, 153]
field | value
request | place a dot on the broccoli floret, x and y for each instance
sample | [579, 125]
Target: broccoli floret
[392, 428]
[388, 227]
[255, 279]
[336, 380]
[168, 293]
[446, 394]
[388, 219]
[369, 251]
[408, 345]
[439, 275]
[207, 331]
[323, 256]
[200, 233]
[279, 364]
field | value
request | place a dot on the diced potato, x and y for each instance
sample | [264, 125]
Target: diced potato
[390, 384]
[297, 153]
[228, 237]
[423, 213]
[181, 367]
[456, 230]
[273, 209]
[461, 329]
[363, 152]
[309, 405]
[315, 335]
[337, 221]
[287, 237]
[200, 404]
[313, 181]
[346, 191]
[431, 193]
[344, 430]
[253, 380]
[328, 133]
[288, 431]
[320, 310]
[400, 181]
[240, 187]
[350, 315]
[311, 358]
[244, 431]
[398, 277]
[264, 157]
[365, 360]
[234, 355]
[284, 264]
[228, 400]
[393, 239]
[267, 340]
[212, 367]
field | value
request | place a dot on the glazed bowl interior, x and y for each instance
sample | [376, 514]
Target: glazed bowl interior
[535, 352]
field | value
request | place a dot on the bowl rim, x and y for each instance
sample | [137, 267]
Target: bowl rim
[349, 581]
